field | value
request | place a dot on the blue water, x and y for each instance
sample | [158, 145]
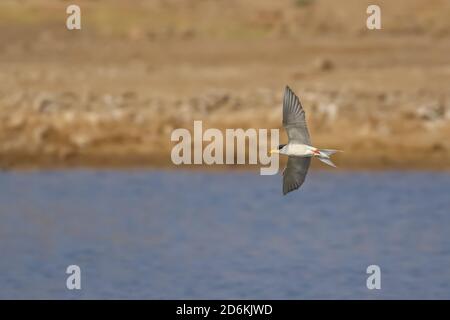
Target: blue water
[150, 234]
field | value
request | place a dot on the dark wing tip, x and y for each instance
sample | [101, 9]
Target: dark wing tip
[292, 108]
[291, 188]
[288, 89]
[294, 174]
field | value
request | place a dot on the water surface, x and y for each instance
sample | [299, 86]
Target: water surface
[150, 234]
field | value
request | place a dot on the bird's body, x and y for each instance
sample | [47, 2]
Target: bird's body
[298, 148]
[304, 150]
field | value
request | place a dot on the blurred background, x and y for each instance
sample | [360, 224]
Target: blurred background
[76, 106]
[111, 93]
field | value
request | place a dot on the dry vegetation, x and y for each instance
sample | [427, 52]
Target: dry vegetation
[110, 94]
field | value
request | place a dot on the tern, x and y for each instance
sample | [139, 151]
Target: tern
[298, 149]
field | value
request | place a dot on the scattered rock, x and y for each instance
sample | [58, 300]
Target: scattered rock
[323, 64]
[80, 140]
[432, 112]
[44, 103]
[41, 133]
[328, 110]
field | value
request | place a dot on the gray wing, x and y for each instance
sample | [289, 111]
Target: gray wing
[295, 173]
[294, 118]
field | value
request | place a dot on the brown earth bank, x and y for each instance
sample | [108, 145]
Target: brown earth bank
[110, 95]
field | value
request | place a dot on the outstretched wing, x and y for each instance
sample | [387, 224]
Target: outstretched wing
[294, 119]
[295, 173]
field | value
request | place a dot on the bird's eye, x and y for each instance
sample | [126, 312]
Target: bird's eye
[281, 146]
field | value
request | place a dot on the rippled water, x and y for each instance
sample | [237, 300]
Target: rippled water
[150, 234]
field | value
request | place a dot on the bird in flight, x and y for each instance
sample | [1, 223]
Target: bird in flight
[298, 149]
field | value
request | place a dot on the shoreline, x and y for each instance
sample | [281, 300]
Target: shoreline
[152, 162]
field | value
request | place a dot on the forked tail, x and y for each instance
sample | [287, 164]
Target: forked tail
[325, 156]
